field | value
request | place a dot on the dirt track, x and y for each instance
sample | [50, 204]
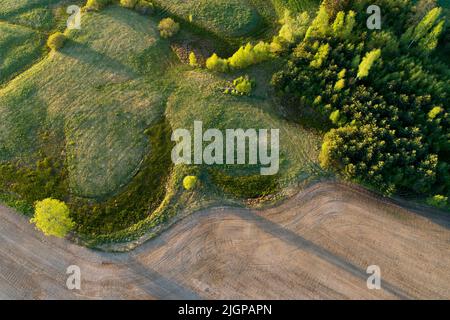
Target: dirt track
[316, 245]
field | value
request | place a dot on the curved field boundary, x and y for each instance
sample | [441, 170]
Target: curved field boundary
[316, 245]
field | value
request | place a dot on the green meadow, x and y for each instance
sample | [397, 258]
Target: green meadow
[91, 123]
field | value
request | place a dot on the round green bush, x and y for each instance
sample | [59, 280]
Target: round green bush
[128, 3]
[56, 41]
[144, 7]
[190, 182]
[168, 27]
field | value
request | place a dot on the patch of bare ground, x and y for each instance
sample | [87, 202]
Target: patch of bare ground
[316, 245]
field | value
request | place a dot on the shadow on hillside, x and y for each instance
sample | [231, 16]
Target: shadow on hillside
[87, 55]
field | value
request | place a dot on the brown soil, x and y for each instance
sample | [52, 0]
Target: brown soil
[316, 245]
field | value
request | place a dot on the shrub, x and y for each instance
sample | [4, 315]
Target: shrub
[190, 182]
[434, 112]
[193, 62]
[214, 63]
[144, 7]
[97, 4]
[438, 201]
[168, 27]
[249, 55]
[367, 62]
[56, 41]
[243, 85]
[340, 84]
[52, 218]
[128, 3]
[335, 116]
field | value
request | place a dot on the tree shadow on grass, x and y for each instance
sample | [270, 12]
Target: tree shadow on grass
[85, 54]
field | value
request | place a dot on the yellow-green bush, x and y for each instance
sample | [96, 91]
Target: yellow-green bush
[214, 63]
[168, 27]
[243, 85]
[193, 62]
[56, 41]
[190, 182]
[52, 218]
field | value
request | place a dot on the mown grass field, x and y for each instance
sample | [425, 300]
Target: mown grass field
[19, 48]
[235, 19]
[97, 109]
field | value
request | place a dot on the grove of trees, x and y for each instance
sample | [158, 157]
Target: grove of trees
[386, 93]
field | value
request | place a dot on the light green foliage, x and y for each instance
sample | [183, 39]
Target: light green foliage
[340, 84]
[243, 85]
[430, 41]
[343, 24]
[321, 56]
[52, 218]
[320, 25]
[435, 112]
[249, 55]
[438, 201]
[193, 60]
[294, 27]
[338, 25]
[56, 41]
[190, 182]
[244, 57]
[426, 34]
[335, 116]
[367, 63]
[168, 27]
[426, 24]
[214, 63]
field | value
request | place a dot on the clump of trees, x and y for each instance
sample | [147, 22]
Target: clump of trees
[246, 56]
[293, 28]
[52, 217]
[168, 27]
[56, 41]
[385, 92]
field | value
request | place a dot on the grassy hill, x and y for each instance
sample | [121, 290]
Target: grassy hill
[19, 48]
[90, 124]
[235, 19]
